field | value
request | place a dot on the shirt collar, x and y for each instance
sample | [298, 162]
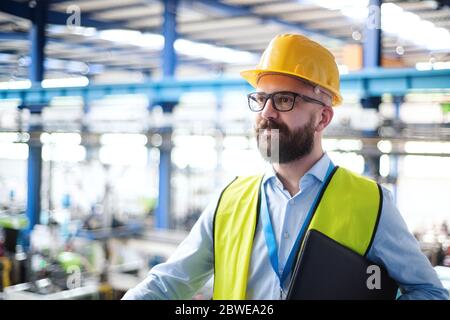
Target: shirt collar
[318, 171]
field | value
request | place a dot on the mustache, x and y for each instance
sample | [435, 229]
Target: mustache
[270, 124]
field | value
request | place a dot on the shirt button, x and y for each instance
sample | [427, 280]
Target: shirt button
[292, 202]
[286, 235]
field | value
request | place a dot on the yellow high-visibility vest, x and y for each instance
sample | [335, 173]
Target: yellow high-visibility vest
[347, 211]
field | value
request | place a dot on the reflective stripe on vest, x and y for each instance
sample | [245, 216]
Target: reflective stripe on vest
[348, 211]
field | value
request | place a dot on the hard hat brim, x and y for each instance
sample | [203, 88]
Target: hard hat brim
[253, 75]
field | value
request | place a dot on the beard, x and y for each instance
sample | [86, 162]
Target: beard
[278, 144]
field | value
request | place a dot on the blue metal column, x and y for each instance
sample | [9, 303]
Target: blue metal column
[169, 58]
[34, 180]
[169, 62]
[36, 75]
[372, 36]
[372, 51]
[37, 40]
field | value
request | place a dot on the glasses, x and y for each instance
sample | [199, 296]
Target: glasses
[282, 101]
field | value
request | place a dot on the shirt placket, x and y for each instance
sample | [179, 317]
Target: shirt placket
[288, 232]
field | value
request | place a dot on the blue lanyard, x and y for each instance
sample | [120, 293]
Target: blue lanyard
[270, 235]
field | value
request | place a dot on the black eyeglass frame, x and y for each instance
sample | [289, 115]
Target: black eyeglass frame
[271, 95]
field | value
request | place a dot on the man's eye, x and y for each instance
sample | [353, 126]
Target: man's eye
[260, 99]
[285, 99]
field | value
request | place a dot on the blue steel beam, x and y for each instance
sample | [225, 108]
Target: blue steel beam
[169, 56]
[13, 36]
[34, 180]
[372, 45]
[371, 83]
[169, 63]
[375, 82]
[372, 50]
[36, 74]
[16, 8]
[37, 41]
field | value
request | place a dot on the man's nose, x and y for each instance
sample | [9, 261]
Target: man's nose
[269, 111]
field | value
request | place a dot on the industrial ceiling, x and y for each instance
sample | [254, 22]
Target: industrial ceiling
[101, 38]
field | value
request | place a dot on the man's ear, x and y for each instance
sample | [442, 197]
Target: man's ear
[326, 115]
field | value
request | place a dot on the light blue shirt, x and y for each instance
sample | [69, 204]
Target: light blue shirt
[191, 266]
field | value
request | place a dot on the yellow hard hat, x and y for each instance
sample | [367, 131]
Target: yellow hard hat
[297, 55]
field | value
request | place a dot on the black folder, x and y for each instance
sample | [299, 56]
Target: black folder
[326, 270]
